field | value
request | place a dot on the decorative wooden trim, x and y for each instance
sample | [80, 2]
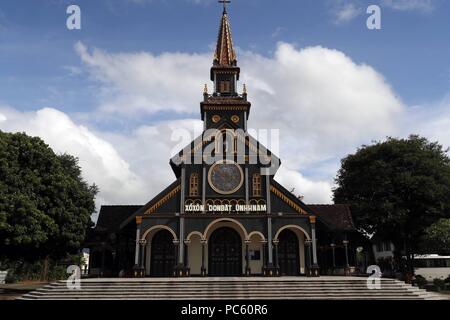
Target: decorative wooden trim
[225, 108]
[207, 140]
[288, 201]
[163, 200]
[312, 219]
[138, 220]
[216, 118]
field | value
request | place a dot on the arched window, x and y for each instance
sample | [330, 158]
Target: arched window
[226, 142]
[256, 185]
[193, 185]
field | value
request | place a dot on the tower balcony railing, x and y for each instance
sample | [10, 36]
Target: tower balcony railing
[242, 96]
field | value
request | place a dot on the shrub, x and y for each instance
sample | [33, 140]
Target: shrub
[447, 280]
[420, 281]
[34, 271]
[439, 284]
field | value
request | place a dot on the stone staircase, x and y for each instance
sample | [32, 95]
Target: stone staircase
[284, 288]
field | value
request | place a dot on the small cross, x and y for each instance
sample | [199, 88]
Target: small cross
[224, 4]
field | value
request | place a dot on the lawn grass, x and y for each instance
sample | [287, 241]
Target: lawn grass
[12, 291]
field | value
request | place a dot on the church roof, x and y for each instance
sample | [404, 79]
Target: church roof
[337, 217]
[225, 56]
[110, 217]
[290, 198]
[162, 197]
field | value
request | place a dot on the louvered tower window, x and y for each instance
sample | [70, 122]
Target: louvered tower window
[193, 185]
[225, 86]
[256, 185]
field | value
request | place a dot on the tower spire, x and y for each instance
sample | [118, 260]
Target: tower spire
[225, 74]
[225, 54]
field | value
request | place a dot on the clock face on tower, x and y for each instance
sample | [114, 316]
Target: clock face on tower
[225, 177]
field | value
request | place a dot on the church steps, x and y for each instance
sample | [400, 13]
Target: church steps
[338, 288]
[171, 288]
[237, 297]
[224, 291]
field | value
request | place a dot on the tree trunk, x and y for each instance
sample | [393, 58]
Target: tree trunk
[44, 276]
[409, 266]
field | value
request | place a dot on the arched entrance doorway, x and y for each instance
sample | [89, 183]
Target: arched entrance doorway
[288, 253]
[163, 257]
[225, 253]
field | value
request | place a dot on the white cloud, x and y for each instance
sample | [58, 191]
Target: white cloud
[346, 13]
[73, 70]
[312, 191]
[129, 169]
[277, 32]
[323, 102]
[432, 120]
[141, 2]
[99, 160]
[410, 5]
[144, 82]
[325, 105]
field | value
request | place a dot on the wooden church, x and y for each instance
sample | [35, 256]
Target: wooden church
[225, 214]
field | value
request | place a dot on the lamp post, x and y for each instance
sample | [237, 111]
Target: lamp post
[333, 250]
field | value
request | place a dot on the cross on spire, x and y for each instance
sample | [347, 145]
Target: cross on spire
[225, 2]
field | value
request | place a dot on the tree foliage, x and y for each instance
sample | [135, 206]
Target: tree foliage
[45, 205]
[396, 188]
[437, 238]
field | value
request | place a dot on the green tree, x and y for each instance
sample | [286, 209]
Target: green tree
[396, 189]
[437, 238]
[45, 205]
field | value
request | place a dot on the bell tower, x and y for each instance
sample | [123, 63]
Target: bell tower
[225, 72]
[225, 104]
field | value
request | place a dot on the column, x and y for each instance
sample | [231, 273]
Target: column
[142, 244]
[181, 266]
[102, 269]
[204, 187]
[138, 237]
[347, 265]
[147, 260]
[245, 119]
[176, 244]
[308, 257]
[263, 255]
[315, 266]
[269, 223]
[186, 255]
[269, 242]
[203, 268]
[138, 256]
[247, 258]
[246, 187]
[181, 247]
[275, 243]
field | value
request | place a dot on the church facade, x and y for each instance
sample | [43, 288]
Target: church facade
[225, 214]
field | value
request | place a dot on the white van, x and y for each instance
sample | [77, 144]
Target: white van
[432, 266]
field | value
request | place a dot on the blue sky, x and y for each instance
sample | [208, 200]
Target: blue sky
[412, 50]
[128, 73]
